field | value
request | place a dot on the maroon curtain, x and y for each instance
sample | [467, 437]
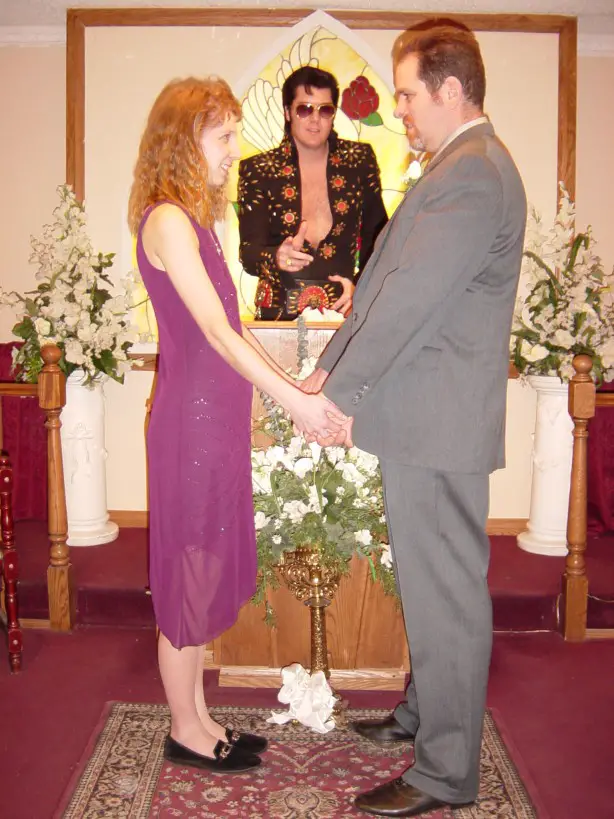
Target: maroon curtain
[601, 468]
[25, 440]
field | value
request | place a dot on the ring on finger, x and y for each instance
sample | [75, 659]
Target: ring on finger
[289, 262]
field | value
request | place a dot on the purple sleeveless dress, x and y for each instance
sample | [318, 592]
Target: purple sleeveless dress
[202, 542]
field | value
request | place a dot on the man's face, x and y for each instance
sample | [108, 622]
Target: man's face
[311, 116]
[424, 115]
[220, 147]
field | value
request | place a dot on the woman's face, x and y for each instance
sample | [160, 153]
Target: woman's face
[220, 147]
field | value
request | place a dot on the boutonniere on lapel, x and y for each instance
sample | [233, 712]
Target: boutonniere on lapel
[415, 169]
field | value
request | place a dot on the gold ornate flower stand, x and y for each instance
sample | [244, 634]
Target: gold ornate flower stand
[315, 585]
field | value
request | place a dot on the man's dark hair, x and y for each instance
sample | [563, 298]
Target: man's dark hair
[310, 77]
[443, 51]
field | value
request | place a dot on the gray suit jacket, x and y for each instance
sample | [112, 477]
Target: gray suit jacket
[422, 363]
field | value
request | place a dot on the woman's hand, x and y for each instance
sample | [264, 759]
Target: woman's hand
[317, 418]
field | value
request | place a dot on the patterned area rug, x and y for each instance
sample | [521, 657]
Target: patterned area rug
[303, 776]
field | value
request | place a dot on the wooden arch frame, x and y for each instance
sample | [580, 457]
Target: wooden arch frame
[80, 19]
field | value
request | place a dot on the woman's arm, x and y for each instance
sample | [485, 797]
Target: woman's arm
[251, 339]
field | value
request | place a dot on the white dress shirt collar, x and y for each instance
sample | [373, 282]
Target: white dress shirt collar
[461, 130]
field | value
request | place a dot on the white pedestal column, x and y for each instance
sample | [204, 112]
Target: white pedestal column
[546, 533]
[84, 456]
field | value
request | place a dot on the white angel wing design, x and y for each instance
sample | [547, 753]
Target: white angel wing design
[263, 113]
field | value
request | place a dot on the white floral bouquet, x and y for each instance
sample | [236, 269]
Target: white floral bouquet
[73, 305]
[326, 498]
[566, 300]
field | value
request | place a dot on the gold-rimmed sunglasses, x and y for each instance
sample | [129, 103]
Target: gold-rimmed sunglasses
[325, 109]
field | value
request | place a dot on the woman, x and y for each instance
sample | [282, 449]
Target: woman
[202, 539]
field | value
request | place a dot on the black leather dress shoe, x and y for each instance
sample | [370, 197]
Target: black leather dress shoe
[383, 731]
[397, 798]
[227, 759]
[247, 742]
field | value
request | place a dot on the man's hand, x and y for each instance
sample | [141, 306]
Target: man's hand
[344, 302]
[342, 438]
[289, 255]
[314, 382]
[316, 417]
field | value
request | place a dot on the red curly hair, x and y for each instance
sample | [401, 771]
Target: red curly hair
[171, 165]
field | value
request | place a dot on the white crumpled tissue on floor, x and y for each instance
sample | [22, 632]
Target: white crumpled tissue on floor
[309, 698]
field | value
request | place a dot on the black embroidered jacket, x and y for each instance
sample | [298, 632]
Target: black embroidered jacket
[269, 206]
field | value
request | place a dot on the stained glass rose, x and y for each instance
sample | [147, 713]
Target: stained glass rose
[361, 101]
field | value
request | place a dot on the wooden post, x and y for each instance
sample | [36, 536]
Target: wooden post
[52, 397]
[10, 565]
[575, 581]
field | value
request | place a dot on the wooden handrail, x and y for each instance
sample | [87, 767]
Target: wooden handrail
[575, 581]
[60, 585]
[17, 390]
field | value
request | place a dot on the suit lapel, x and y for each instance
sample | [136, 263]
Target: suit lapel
[484, 129]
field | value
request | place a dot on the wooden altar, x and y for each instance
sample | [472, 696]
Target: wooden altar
[366, 636]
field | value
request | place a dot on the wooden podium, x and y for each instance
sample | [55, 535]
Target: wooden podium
[366, 637]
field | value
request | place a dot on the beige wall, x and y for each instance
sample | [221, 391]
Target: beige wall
[32, 96]
[595, 163]
[32, 146]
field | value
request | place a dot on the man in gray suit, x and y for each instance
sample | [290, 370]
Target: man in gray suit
[422, 366]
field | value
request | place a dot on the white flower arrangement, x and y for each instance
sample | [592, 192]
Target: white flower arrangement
[308, 496]
[72, 305]
[566, 300]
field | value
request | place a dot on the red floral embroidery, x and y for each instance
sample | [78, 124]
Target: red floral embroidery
[289, 192]
[314, 297]
[327, 250]
[341, 206]
[287, 170]
[264, 295]
[337, 182]
[335, 160]
[289, 217]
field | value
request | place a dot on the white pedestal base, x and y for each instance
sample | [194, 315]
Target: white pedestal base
[546, 532]
[84, 456]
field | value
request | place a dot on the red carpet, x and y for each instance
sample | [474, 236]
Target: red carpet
[554, 703]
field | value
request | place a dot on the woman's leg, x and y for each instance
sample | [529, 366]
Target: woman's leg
[212, 727]
[178, 672]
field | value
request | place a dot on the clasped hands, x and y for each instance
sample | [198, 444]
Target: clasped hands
[334, 428]
[290, 256]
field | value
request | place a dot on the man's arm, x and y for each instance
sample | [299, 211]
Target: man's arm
[374, 216]
[446, 246]
[336, 346]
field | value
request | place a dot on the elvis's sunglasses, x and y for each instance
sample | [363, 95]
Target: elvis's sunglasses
[305, 109]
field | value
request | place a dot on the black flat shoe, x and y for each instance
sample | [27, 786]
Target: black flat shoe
[247, 742]
[383, 731]
[227, 758]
